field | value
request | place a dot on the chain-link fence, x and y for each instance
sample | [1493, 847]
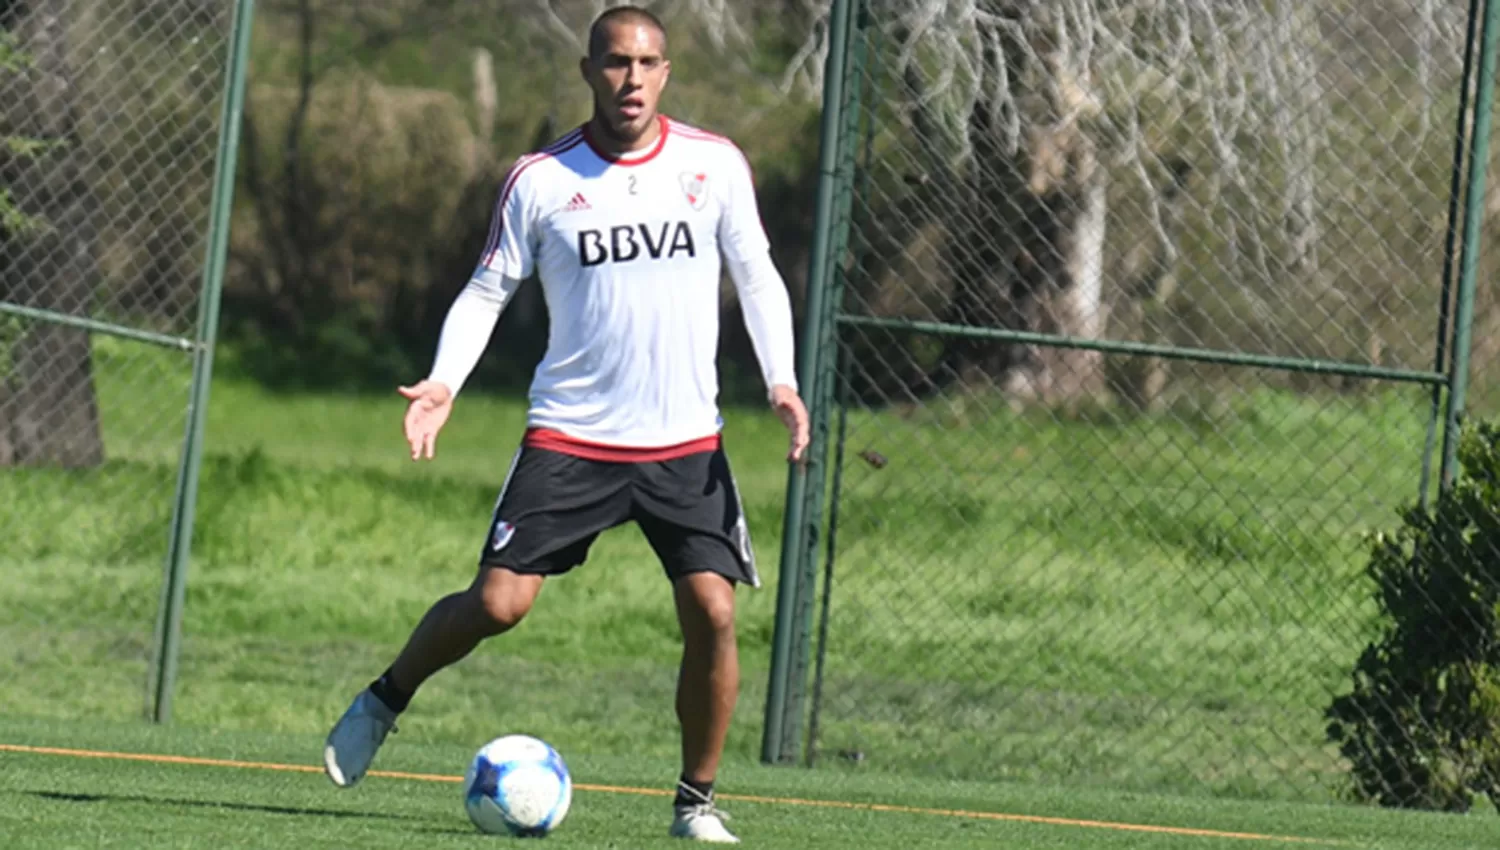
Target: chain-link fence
[109, 119]
[1130, 341]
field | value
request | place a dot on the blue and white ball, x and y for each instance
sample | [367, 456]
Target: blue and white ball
[517, 784]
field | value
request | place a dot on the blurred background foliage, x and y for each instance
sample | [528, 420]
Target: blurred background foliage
[1240, 204]
[376, 136]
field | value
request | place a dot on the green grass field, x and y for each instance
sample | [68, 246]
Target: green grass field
[1134, 621]
[53, 800]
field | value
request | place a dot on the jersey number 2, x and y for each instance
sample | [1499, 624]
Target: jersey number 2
[632, 184]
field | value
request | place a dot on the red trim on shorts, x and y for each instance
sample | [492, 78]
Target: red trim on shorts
[556, 441]
[629, 158]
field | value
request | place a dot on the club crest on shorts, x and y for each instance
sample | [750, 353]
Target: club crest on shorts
[695, 187]
[502, 534]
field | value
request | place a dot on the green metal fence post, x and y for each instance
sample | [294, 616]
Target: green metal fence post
[800, 476]
[1450, 237]
[174, 585]
[838, 394]
[1458, 376]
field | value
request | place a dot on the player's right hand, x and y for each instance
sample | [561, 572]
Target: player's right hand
[431, 402]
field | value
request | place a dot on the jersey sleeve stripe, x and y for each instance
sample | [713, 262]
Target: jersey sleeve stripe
[698, 131]
[497, 223]
[492, 242]
[701, 135]
[694, 133]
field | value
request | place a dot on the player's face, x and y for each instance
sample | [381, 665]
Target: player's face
[627, 78]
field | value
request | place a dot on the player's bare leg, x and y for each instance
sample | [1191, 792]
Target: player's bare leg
[709, 677]
[707, 689]
[493, 604]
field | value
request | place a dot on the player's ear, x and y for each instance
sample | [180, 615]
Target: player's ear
[584, 69]
[666, 71]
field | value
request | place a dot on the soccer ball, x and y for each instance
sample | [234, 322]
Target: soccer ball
[517, 784]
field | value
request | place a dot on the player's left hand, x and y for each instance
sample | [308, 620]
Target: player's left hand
[788, 405]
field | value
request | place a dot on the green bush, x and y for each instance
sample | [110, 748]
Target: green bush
[1421, 725]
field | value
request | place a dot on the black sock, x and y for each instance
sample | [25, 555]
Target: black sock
[690, 793]
[386, 691]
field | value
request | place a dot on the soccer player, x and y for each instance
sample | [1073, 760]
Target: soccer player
[626, 221]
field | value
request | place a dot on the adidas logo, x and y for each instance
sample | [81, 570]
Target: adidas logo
[577, 204]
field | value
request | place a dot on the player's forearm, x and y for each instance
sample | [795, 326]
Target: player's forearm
[468, 326]
[768, 317]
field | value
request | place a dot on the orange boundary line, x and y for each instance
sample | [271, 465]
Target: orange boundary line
[746, 798]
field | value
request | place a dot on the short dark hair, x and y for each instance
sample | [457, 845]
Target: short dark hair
[599, 30]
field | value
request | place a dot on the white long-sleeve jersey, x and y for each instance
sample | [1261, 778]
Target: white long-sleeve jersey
[628, 251]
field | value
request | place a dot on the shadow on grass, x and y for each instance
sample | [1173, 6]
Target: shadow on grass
[210, 804]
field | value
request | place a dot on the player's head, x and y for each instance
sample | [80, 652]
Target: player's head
[627, 69]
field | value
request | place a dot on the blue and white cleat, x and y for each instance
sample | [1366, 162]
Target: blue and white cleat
[354, 740]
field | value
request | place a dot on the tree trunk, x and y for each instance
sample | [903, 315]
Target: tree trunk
[1071, 304]
[992, 223]
[1029, 244]
[48, 407]
[1148, 274]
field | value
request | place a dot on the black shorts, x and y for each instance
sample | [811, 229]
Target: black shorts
[553, 505]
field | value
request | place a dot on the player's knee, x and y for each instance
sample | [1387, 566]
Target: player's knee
[500, 606]
[720, 613]
[715, 604]
[501, 612]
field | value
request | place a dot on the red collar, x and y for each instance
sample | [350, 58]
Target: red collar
[634, 157]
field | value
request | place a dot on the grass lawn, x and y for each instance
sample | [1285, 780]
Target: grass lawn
[1110, 609]
[234, 798]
